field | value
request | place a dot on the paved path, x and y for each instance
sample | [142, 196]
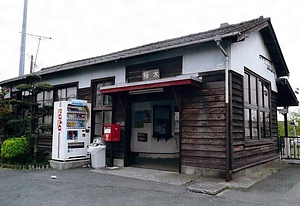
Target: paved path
[88, 187]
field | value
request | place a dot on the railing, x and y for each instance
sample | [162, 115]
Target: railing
[289, 147]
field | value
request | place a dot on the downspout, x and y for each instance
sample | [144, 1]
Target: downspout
[218, 40]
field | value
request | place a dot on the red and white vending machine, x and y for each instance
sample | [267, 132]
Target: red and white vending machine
[71, 130]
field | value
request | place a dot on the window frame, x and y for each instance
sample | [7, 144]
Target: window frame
[55, 98]
[260, 106]
[102, 109]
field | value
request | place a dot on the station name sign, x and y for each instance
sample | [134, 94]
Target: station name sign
[150, 75]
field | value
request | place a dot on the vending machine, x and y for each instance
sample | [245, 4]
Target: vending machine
[71, 130]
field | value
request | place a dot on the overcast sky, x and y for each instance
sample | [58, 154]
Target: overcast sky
[86, 28]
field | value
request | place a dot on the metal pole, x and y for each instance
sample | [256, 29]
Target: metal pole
[286, 134]
[23, 40]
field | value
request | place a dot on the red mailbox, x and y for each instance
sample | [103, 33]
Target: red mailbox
[112, 132]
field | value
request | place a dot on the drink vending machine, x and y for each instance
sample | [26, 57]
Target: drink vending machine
[71, 130]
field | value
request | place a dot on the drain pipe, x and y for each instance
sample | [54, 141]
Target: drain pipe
[218, 40]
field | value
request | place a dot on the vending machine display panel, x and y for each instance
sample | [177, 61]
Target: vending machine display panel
[71, 130]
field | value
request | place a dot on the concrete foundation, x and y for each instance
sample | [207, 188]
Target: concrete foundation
[63, 165]
[205, 172]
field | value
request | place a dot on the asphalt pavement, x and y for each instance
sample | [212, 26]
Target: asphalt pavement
[136, 186]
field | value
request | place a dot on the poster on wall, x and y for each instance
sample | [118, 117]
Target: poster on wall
[141, 117]
[142, 137]
[147, 116]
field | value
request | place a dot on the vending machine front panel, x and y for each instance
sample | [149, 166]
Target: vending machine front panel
[71, 126]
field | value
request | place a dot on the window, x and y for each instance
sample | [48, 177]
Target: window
[257, 111]
[66, 93]
[45, 99]
[102, 107]
[162, 121]
[102, 100]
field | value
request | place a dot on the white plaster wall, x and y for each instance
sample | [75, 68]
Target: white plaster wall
[207, 57]
[151, 146]
[246, 54]
[84, 76]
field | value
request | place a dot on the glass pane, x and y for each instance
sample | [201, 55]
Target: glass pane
[267, 125]
[39, 97]
[107, 83]
[246, 88]
[98, 97]
[260, 94]
[254, 123]
[107, 117]
[61, 94]
[262, 125]
[98, 129]
[266, 97]
[71, 92]
[49, 95]
[98, 117]
[48, 119]
[48, 103]
[107, 100]
[247, 123]
[253, 90]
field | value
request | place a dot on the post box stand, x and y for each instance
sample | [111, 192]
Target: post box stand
[111, 155]
[111, 135]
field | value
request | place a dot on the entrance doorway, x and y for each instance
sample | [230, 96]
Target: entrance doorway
[155, 135]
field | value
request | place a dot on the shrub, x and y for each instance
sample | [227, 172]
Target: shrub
[15, 150]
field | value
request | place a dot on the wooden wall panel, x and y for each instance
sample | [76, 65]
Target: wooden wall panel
[203, 124]
[250, 152]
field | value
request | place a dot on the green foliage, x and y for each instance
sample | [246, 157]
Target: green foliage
[15, 149]
[19, 117]
[24, 87]
[41, 86]
[45, 127]
[6, 113]
[293, 115]
[281, 129]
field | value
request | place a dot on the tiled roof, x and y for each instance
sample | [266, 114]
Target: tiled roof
[225, 30]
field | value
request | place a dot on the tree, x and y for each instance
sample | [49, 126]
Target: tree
[27, 111]
[6, 114]
[294, 116]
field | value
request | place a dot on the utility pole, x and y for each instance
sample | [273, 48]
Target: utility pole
[23, 40]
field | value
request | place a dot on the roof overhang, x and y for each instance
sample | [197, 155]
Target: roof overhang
[152, 85]
[271, 42]
[286, 96]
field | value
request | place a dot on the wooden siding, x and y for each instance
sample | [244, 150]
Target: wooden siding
[122, 148]
[45, 142]
[274, 115]
[167, 67]
[203, 124]
[248, 152]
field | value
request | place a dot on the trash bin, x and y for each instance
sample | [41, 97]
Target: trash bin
[97, 152]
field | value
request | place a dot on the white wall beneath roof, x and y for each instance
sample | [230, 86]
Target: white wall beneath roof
[246, 54]
[84, 76]
[207, 57]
